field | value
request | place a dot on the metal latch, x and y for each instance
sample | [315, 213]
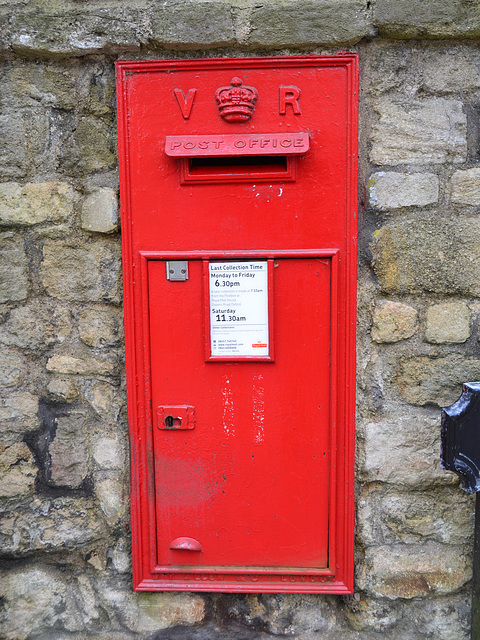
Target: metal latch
[177, 270]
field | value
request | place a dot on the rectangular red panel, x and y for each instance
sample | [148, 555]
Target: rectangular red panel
[241, 369]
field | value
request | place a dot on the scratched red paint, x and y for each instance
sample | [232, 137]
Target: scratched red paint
[250, 488]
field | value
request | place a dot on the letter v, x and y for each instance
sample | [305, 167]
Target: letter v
[185, 103]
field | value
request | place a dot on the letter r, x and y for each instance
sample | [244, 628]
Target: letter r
[288, 95]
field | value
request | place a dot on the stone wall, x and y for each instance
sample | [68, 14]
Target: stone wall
[64, 516]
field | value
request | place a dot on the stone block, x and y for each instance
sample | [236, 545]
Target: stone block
[431, 255]
[104, 399]
[35, 203]
[18, 416]
[108, 453]
[51, 524]
[88, 273]
[466, 187]
[390, 517]
[442, 618]
[450, 69]
[431, 19]
[402, 451]
[391, 190]
[34, 598]
[100, 211]
[428, 131]
[305, 23]
[13, 368]
[84, 365]
[68, 454]
[100, 328]
[176, 23]
[144, 612]
[89, 148]
[36, 325]
[58, 32]
[111, 495]
[17, 470]
[413, 571]
[447, 322]
[62, 390]
[427, 380]
[373, 614]
[50, 84]
[393, 321]
[13, 154]
[13, 268]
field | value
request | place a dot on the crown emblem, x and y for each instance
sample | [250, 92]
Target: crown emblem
[236, 103]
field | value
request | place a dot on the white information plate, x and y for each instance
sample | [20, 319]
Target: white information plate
[239, 309]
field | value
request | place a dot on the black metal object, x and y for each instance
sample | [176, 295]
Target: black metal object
[460, 452]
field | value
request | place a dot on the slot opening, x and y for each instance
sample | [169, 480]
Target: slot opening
[238, 169]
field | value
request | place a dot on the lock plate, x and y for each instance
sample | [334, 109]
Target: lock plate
[175, 417]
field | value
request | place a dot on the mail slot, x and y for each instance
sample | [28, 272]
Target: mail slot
[238, 190]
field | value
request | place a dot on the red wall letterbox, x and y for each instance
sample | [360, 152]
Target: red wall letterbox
[238, 187]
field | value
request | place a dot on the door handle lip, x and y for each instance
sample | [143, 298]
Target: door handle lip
[184, 543]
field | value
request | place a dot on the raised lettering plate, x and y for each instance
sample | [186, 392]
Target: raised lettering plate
[259, 144]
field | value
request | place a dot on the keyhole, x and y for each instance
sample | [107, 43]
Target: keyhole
[171, 421]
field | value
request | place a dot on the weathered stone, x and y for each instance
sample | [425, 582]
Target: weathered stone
[412, 571]
[388, 517]
[100, 211]
[104, 399]
[13, 156]
[143, 612]
[34, 598]
[431, 19]
[50, 84]
[449, 70]
[13, 268]
[89, 273]
[85, 365]
[17, 470]
[48, 32]
[35, 203]
[100, 327]
[108, 453]
[393, 321]
[447, 322]
[89, 148]
[205, 24]
[68, 455]
[121, 557]
[36, 326]
[391, 190]
[466, 187]
[436, 380]
[402, 451]
[434, 255]
[13, 368]
[110, 492]
[367, 614]
[301, 24]
[428, 131]
[49, 525]
[18, 416]
[98, 90]
[443, 618]
[62, 390]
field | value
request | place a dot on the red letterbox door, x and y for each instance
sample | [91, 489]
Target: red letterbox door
[238, 185]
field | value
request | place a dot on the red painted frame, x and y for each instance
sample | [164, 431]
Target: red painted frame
[338, 577]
